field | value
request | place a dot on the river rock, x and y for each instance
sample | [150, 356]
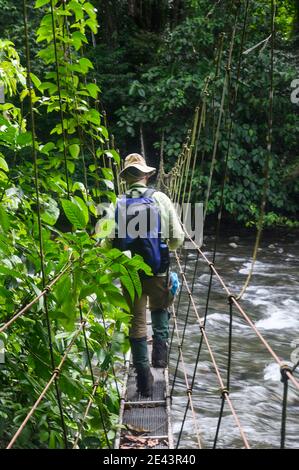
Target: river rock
[233, 245]
[272, 247]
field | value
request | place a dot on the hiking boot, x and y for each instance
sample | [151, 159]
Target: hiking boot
[145, 382]
[160, 353]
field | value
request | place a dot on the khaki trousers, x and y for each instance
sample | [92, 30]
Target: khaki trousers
[159, 296]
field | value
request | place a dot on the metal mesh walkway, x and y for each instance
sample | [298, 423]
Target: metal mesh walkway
[145, 422]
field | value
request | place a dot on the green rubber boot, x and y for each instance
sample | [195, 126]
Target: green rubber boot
[144, 376]
[160, 325]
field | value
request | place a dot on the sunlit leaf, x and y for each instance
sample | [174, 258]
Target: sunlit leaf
[74, 150]
[40, 3]
[74, 214]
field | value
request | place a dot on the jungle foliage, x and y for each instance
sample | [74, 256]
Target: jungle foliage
[153, 59]
[56, 166]
[146, 65]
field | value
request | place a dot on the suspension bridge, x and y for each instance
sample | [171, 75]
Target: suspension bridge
[146, 423]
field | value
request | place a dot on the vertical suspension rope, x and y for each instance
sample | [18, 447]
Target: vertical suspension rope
[177, 308]
[219, 217]
[229, 357]
[113, 370]
[221, 111]
[202, 119]
[266, 170]
[285, 381]
[60, 99]
[188, 389]
[190, 150]
[224, 391]
[96, 383]
[40, 234]
[185, 323]
[81, 138]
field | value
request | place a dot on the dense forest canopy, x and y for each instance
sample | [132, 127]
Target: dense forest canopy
[152, 59]
[81, 81]
[153, 72]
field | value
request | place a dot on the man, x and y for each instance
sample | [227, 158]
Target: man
[155, 288]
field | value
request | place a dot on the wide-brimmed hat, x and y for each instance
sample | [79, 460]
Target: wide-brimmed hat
[134, 160]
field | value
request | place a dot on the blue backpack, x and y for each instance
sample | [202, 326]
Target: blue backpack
[145, 240]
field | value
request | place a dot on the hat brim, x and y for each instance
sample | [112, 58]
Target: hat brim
[143, 169]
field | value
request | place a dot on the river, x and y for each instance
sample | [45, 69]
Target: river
[272, 301]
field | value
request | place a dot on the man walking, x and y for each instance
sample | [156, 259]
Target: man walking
[153, 245]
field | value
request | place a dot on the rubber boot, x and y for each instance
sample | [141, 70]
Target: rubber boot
[145, 381]
[144, 376]
[160, 325]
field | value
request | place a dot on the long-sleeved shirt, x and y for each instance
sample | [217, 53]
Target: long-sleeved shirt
[171, 229]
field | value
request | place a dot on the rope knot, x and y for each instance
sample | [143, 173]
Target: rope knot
[230, 299]
[285, 368]
[168, 397]
[189, 391]
[224, 392]
[48, 289]
[56, 371]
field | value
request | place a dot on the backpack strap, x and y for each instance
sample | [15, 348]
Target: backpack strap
[149, 192]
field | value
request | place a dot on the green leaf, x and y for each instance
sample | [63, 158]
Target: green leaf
[63, 292]
[128, 284]
[90, 9]
[109, 184]
[52, 440]
[70, 167]
[104, 132]
[107, 173]
[4, 220]
[50, 212]
[24, 139]
[3, 164]
[104, 228]
[93, 90]
[113, 154]
[93, 116]
[136, 281]
[93, 25]
[10, 272]
[74, 214]
[74, 150]
[35, 80]
[85, 64]
[82, 207]
[47, 148]
[77, 8]
[117, 299]
[78, 186]
[87, 290]
[40, 3]
[78, 38]
[71, 387]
